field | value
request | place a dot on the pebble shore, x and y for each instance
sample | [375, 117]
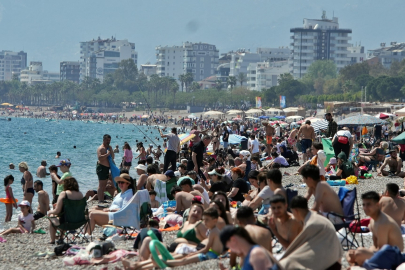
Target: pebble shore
[17, 252]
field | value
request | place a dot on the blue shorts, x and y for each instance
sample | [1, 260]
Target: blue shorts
[207, 256]
[305, 144]
[226, 144]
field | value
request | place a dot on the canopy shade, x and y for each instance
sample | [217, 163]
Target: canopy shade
[360, 120]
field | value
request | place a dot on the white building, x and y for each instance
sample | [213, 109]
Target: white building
[199, 59]
[274, 54]
[11, 63]
[35, 74]
[263, 75]
[148, 69]
[356, 54]
[388, 54]
[102, 56]
[240, 61]
[319, 40]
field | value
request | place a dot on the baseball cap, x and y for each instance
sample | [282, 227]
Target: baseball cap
[332, 161]
[141, 167]
[24, 203]
[244, 153]
[177, 174]
[169, 173]
[64, 162]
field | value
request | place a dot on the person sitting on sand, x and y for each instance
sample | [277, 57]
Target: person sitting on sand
[263, 198]
[143, 177]
[392, 205]
[255, 256]
[26, 222]
[317, 246]
[184, 196]
[71, 192]
[153, 176]
[100, 216]
[222, 218]
[394, 163]
[153, 202]
[43, 200]
[142, 239]
[109, 193]
[385, 230]
[326, 200]
[282, 223]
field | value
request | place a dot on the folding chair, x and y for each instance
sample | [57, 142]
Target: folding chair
[74, 220]
[135, 214]
[348, 199]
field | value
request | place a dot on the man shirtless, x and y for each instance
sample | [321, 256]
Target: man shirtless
[326, 200]
[269, 136]
[307, 133]
[184, 196]
[103, 165]
[43, 200]
[153, 176]
[41, 171]
[282, 223]
[143, 177]
[394, 163]
[384, 228]
[260, 235]
[392, 205]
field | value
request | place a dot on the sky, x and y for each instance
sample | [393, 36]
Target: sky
[50, 30]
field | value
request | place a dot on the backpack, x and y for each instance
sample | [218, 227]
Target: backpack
[348, 169]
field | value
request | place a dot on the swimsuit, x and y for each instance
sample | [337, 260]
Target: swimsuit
[103, 172]
[30, 190]
[190, 235]
[211, 254]
[306, 143]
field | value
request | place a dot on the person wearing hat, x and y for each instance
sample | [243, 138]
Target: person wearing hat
[64, 166]
[149, 152]
[331, 165]
[26, 222]
[101, 217]
[143, 177]
[394, 163]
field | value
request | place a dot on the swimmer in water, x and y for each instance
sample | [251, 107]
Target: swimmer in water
[58, 154]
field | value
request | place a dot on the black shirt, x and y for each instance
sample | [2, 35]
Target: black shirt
[218, 186]
[377, 130]
[243, 189]
[225, 137]
[199, 149]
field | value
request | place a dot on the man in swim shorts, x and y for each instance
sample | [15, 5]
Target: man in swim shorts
[43, 200]
[103, 165]
[269, 136]
[307, 133]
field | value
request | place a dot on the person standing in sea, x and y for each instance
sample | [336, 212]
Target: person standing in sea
[27, 182]
[103, 165]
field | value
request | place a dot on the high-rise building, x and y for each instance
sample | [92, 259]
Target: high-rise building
[356, 54]
[102, 56]
[388, 54]
[70, 71]
[263, 75]
[148, 69]
[11, 63]
[319, 40]
[240, 61]
[35, 74]
[274, 54]
[199, 59]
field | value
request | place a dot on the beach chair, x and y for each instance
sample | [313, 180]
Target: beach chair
[351, 211]
[74, 220]
[135, 214]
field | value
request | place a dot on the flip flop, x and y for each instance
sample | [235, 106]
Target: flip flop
[40, 231]
[2, 240]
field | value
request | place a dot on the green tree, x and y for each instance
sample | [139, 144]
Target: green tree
[189, 78]
[231, 81]
[182, 79]
[218, 85]
[195, 86]
[242, 78]
[351, 72]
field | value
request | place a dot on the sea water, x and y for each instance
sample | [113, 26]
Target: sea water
[34, 140]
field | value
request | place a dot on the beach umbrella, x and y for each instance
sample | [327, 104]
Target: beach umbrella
[213, 113]
[234, 112]
[291, 109]
[192, 116]
[252, 111]
[360, 120]
[235, 139]
[321, 124]
[74, 112]
[264, 117]
[184, 138]
[384, 115]
[400, 139]
[294, 117]
[101, 114]
[237, 119]
[145, 116]
[6, 104]
[400, 112]
[273, 119]
[280, 116]
[186, 119]
[274, 110]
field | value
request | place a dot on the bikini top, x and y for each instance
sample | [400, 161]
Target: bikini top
[190, 234]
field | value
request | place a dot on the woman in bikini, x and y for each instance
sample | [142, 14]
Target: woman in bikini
[376, 155]
[142, 152]
[215, 138]
[27, 182]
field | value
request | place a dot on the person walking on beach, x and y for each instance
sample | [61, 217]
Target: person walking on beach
[43, 200]
[173, 149]
[103, 165]
[10, 200]
[27, 182]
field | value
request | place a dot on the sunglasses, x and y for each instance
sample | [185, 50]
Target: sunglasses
[122, 182]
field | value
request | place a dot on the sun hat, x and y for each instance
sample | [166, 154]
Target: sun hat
[123, 177]
[141, 167]
[24, 203]
[64, 162]
[332, 161]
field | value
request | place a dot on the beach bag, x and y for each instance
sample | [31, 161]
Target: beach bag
[356, 227]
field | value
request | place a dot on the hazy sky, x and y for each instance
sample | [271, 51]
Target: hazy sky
[50, 30]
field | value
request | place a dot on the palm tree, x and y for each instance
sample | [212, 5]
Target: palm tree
[218, 85]
[189, 79]
[242, 78]
[231, 81]
[182, 79]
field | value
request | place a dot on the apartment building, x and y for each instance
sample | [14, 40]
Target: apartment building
[388, 54]
[11, 63]
[70, 71]
[35, 74]
[263, 75]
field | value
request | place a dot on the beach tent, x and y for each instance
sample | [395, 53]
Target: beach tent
[360, 120]
[274, 110]
[400, 139]
[328, 149]
[234, 112]
[252, 111]
[213, 113]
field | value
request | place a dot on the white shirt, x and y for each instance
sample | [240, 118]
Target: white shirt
[254, 145]
[26, 222]
[242, 128]
[278, 130]
[344, 133]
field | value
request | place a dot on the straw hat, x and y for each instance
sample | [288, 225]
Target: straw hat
[124, 177]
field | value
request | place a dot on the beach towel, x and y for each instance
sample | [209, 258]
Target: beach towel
[115, 171]
[316, 247]
[161, 195]
[130, 214]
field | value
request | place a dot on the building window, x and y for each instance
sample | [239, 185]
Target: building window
[201, 71]
[202, 59]
[193, 71]
[211, 47]
[201, 65]
[195, 47]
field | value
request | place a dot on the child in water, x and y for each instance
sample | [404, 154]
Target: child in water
[26, 222]
[10, 200]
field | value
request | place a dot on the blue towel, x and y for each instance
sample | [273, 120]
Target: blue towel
[115, 171]
[342, 193]
[336, 183]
